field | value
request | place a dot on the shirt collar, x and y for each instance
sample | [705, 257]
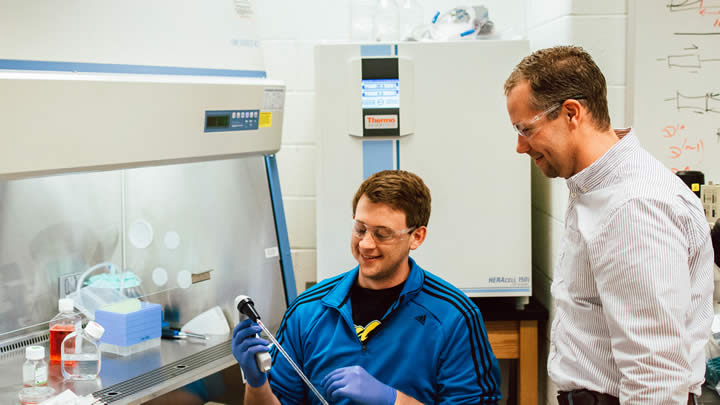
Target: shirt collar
[336, 297]
[597, 174]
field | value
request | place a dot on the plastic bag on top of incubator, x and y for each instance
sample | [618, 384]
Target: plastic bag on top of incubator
[462, 22]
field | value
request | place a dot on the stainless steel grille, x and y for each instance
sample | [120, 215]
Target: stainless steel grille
[17, 344]
[134, 385]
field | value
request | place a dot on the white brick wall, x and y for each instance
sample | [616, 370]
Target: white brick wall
[289, 30]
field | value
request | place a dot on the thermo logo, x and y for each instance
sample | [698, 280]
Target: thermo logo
[381, 121]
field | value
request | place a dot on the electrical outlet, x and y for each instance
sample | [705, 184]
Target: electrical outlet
[710, 197]
[67, 283]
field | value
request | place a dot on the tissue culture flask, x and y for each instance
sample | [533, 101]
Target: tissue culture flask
[57, 335]
[64, 323]
[81, 353]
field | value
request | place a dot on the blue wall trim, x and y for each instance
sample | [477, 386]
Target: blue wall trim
[17, 64]
[281, 228]
[367, 51]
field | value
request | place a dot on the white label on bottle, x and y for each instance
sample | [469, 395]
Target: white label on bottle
[41, 375]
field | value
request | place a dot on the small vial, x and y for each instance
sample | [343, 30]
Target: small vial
[35, 370]
[35, 377]
[80, 353]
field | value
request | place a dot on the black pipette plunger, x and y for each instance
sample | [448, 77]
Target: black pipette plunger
[246, 306]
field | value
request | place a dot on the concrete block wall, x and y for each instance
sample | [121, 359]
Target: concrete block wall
[600, 28]
[289, 30]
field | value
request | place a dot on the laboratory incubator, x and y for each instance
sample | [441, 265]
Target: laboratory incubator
[436, 109]
[145, 171]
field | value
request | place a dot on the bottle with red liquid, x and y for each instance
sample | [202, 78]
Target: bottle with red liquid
[63, 324]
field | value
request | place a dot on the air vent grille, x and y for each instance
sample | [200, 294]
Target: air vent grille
[10, 347]
[144, 381]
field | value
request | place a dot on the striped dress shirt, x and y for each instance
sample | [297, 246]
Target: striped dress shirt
[633, 283]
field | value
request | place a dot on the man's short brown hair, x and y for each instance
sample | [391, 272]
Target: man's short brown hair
[560, 73]
[401, 190]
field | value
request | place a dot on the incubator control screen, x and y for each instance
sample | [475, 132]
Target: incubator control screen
[380, 96]
[381, 93]
[231, 120]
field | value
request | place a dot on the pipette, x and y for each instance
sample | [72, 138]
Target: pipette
[246, 306]
[172, 333]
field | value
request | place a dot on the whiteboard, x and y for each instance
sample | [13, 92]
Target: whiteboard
[674, 81]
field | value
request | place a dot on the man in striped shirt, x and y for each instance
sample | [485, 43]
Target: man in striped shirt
[634, 279]
[386, 332]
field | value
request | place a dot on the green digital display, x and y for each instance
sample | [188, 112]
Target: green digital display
[217, 121]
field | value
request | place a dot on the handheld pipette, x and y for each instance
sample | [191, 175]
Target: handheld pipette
[246, 306]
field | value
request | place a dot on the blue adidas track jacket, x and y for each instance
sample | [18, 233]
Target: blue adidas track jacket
[431, 344]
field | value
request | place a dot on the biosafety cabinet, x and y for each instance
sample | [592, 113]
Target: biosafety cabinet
[438, 110]
[141, 134]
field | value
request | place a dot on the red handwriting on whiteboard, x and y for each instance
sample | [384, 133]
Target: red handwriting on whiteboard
[702, 10]
[677, 151]
[687, 149]
[671, 130]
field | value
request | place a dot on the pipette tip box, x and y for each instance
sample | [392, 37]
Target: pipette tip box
[132, 332]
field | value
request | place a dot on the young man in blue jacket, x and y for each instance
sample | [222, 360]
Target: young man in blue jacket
[385, 332]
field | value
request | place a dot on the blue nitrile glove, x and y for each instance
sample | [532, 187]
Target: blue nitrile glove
[355, 384]
[244, 346]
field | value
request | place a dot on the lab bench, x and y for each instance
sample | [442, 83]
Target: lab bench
[132, 379]
[513, 334]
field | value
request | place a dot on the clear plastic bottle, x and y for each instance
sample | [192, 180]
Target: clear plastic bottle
[80, 353]
[410, 18]
[35, 377]
[63, 324]
[386, 21]
[362, 14]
